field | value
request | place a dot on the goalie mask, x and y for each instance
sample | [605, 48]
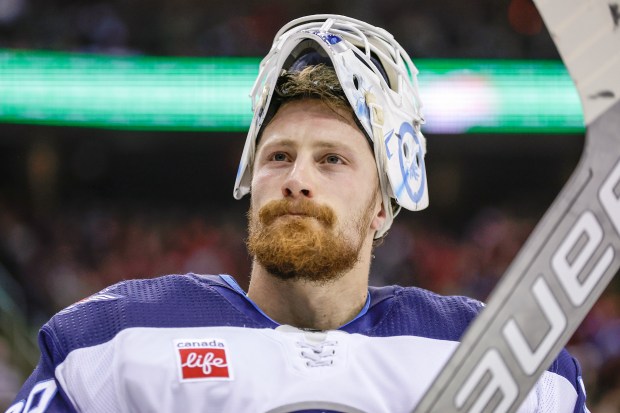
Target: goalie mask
[380, 83]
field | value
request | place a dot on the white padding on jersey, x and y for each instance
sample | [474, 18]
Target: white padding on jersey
[553, 393]
[87, 378]
[138, 371]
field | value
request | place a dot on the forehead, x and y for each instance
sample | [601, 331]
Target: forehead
[309, 121]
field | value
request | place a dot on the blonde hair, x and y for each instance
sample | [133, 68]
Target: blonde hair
[312, 82]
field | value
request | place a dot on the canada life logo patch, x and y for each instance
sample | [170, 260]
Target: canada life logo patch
[202, 359]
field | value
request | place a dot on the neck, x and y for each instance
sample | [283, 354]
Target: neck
[304, 304]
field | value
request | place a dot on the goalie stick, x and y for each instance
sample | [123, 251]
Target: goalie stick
[574, 251]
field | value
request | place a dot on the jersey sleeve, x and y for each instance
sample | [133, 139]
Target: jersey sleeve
[577, 381]
[42, 392]
[552, 397]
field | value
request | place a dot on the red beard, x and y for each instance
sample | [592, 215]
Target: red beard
[297, 240]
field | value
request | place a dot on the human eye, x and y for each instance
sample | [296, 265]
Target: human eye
[333, 159]
[278, 157]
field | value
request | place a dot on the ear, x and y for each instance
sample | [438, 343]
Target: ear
[379, 217]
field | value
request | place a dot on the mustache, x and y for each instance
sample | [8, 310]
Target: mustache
[277, 208]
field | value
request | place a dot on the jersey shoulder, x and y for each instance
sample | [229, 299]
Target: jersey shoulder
[164, 302]
[419, 312]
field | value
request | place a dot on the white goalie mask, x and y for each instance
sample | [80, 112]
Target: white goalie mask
[380, 83]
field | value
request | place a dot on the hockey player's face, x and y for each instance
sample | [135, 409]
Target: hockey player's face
[315, 198]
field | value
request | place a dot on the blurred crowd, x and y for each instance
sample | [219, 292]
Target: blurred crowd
[426, 28]
[80, 249]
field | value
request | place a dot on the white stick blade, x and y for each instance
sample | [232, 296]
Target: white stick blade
[587, 35]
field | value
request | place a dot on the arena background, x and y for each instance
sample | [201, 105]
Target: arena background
[84, 205]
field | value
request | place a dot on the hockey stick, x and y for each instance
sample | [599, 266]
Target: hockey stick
[574, 251]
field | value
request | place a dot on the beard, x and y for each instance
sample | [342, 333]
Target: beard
[305, 246]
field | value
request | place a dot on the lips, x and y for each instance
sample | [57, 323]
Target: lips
[308, 209]
[296, 215]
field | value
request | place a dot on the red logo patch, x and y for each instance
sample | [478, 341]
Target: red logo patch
[203, 359]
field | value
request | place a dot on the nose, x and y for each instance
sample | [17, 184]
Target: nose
[298, 182]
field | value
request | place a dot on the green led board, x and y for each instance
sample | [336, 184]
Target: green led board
[211, 94]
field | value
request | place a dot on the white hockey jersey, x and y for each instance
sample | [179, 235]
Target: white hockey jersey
[193, 343]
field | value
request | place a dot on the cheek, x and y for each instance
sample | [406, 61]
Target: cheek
[263, 183]
[352, 201]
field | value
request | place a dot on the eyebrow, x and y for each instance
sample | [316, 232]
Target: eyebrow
[320, 144]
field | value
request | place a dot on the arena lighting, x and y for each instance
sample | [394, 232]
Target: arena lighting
[211, 94]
